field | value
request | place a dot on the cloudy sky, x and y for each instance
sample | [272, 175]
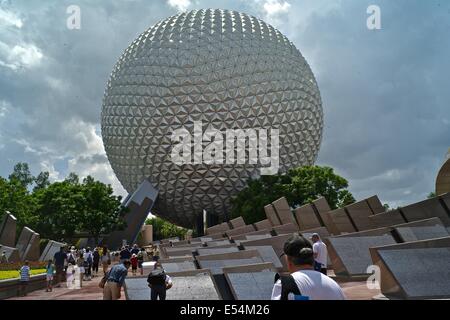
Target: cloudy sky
[385, 92]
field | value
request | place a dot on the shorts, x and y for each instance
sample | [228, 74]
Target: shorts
[140, 264]
[134, 268]
[49, 277]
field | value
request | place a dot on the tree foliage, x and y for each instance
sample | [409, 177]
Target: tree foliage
[163, 229]
[60, 210]
[300, 186]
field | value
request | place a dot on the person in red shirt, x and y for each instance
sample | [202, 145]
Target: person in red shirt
[134, 264]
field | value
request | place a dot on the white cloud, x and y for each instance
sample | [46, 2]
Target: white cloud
[276, 7]
[25, 55]
[4, 107]
[180, 5]
[8, 18]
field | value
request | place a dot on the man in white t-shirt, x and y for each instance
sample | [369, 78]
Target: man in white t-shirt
[304, 283]
[320, 254]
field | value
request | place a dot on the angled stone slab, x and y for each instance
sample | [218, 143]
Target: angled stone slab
[179, 251]
[322, 232]
[414, 270]
[323, 208]
[306, 217]
[268, 255]
[216, 262]
[375, 205]
[237, 222]
[51, 248]
[288, 228]
[426, 209]
[446, 199]
[28, 245]
[241, 230]
[209, 251]
[359, 213]
[139, 203]
[254, 233]
[217, 243]
[219, 228]
[271, 215]
[188, 285]
[201, 240]
[258, 236]
[387, 219]
[12, 254]
[178, 266]
[283, 211]
[409, 234]
[181, 243]
[8, 227]
[276, 242]
[342, 221]
[251, 285]
[263, 225]
[350, 256]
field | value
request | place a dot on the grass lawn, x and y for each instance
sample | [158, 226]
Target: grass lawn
[11, 274]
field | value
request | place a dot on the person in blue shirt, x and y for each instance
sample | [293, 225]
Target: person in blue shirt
[115, 280]
[50, 270]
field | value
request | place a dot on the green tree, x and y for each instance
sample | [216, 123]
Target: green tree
[431, 195]
[300, 186]
[58, 211]
[101, 211]
[41, 181]
[163, 229]
[22, 174]
[15, 198]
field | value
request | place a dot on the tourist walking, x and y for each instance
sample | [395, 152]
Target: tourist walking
[49, 271]
[320, 254]
[95, 262]
[115, 279]
[60, 259]
[124, 254]
[134, 264]
[142, 257]
[80, 269]
[159, 282]
[135, 249]
[106, 259]
[304, 283]
[88, 261]
[24, 279]
[155, 253]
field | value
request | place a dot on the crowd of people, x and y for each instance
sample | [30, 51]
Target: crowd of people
[306, 262]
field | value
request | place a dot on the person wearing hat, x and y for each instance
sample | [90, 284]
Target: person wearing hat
[320, 254]
[303, 283]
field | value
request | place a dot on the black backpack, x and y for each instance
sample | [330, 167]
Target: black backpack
[157, 278]
[288, 286]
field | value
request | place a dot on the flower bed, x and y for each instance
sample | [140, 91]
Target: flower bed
[14, 266]
[12, 274]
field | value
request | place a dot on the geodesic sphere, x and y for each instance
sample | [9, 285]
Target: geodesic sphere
[224, 68]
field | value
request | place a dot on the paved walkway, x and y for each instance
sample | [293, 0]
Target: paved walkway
[89, 291]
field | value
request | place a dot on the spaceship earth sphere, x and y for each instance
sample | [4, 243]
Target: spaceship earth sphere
[224, 68]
